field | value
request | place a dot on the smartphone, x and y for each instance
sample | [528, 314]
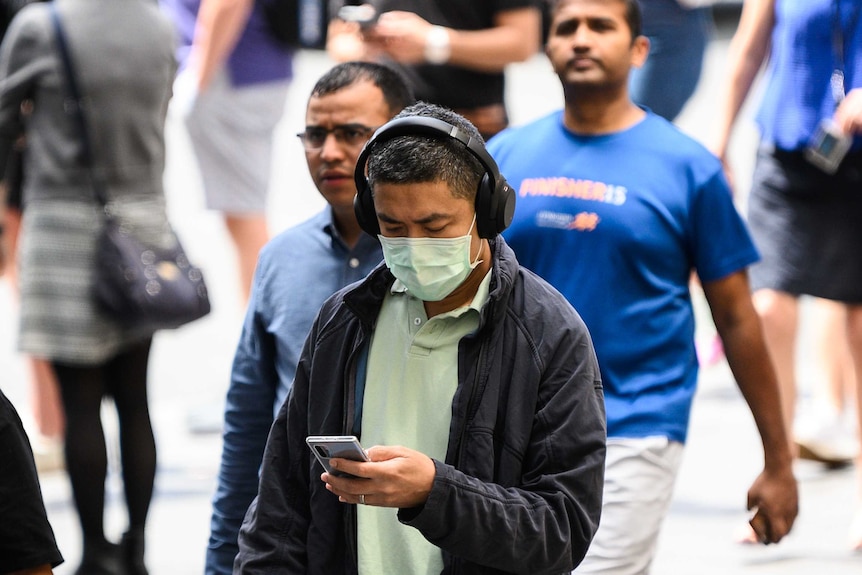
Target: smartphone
[365, 15]
[325, 447]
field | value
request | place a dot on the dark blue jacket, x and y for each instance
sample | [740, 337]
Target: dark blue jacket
[521, 488]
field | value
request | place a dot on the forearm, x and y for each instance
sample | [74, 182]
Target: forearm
[514, 38]
[745, 347]
[532, 531]
[219, 26]
[749, 361]
[411, 40]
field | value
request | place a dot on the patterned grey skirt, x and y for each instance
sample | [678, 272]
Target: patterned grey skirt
[59, 318]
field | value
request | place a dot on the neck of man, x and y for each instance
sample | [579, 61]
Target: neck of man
[595, 112]
[347, 226]
[464, 293]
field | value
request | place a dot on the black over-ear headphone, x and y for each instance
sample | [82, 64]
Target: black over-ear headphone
[495, 199]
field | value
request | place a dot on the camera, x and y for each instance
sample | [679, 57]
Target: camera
[828, 147]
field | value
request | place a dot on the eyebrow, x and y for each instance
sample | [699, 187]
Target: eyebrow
[426, 220]
[349, 126]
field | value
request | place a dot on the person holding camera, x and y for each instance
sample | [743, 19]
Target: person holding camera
[470, 380]
[805, 203]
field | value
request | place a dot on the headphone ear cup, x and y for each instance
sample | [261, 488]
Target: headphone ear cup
[495, 206]
[485, 224]
[505, 209]
[363, 207]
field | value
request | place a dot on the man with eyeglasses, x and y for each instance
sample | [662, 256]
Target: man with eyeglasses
[296, 272]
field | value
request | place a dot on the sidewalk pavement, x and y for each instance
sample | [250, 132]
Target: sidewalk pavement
[190, 368]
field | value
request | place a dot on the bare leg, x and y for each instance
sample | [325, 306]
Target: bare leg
[12, 226]
[249, 234]
[833, 356]
[854, 338]
[823, 433]
[47, 408]
[48, 416]
[779, 312]
[45, 395]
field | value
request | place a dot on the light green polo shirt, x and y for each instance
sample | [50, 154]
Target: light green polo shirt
[410, 383]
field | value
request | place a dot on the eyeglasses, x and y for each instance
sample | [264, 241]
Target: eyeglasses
[350, 135]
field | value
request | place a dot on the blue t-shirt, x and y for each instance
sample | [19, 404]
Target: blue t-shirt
[617, 223]
[798, 94]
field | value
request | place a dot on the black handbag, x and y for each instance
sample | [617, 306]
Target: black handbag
[140, 286]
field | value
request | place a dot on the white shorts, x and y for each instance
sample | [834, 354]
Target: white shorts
[231, 129]
[639, 479]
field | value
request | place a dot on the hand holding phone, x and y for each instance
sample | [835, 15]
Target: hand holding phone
[326, 447]
[365, 15]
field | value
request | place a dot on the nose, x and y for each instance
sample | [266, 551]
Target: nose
[331, 147]
[581, 37]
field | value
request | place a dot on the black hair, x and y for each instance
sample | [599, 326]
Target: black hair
[395, 90]
[423, 158]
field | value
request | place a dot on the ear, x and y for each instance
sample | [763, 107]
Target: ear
[639, 51]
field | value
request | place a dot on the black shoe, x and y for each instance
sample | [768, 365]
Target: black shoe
[132, 547]
[101, 558]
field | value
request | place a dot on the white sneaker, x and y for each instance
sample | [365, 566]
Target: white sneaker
[829, 442]
[48, 454]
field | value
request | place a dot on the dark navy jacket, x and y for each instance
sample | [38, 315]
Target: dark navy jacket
[521, 488]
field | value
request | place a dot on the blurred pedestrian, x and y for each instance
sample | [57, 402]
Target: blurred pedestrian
[616, 209]
[231, 92]
[297, 271]
[27, 544]
[804, 206]
[124, 64]
[453, 53]
[678, 33]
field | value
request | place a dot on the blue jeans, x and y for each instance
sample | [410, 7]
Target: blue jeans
[678, 39]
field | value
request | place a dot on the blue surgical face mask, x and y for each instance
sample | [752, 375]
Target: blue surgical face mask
[431, 268]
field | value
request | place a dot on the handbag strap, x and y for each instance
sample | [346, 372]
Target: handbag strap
[75, 106]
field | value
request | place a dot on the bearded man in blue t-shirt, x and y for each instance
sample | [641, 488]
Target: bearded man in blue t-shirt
[616, 208]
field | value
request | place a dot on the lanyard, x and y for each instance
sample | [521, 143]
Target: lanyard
[838, 41]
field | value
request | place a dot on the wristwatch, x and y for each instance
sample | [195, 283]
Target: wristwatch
[437, 47]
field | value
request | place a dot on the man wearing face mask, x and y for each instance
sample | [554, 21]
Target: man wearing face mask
[472, 383]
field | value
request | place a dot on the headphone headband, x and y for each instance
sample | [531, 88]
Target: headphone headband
[495, 199]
